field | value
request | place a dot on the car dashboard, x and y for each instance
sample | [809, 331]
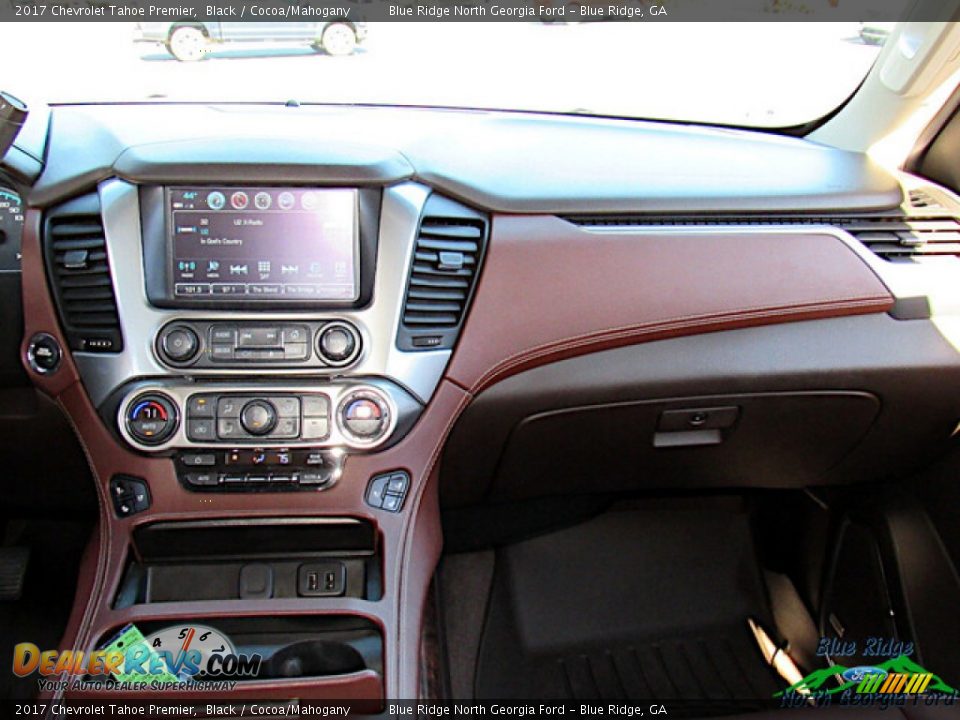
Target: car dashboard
[490, 287]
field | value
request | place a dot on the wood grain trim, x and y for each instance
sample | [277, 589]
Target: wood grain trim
[551, 290]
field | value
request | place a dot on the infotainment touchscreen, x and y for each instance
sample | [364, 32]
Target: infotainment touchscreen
[263, 244]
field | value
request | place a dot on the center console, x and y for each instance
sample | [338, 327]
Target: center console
[258, 341]
[262, 334]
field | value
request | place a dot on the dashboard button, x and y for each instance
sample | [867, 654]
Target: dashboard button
[179, 344]
[221, 352]
[286, 428]
[199, 459]
[229, 428]
[44, 354]
[201, 406]
[315, 428]
[316, 406]
[259, 337]
[286, 406]
[204, 479]
[225, 334]
[295, 351]
[295, 334]
[376, 491]
[397, 483]
[314, 478]
[258, 417]
[201, 430]
[228, 407]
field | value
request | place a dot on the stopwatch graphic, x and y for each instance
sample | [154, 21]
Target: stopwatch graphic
[187, 649]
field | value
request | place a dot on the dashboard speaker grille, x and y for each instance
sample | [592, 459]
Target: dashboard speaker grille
[79, 271]
[451, 240]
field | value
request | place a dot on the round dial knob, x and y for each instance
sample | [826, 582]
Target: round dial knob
[258, 417]
[151, 418]
[338, 343]
[364, 416]
[179, 344]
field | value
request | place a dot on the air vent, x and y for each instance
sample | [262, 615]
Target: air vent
[891, 237]
[447, 257]
[905, 239]
[79, 272]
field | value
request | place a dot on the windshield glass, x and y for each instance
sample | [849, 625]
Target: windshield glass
[751, 74]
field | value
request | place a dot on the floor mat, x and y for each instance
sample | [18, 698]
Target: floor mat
[641, 604]
[40, 615]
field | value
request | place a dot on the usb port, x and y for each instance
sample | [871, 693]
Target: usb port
[326, 579]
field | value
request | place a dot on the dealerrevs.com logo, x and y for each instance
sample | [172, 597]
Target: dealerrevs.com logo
[173, 657]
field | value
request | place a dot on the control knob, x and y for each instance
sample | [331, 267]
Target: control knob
[179, 344]
[338, 344]
[151, 418]
[258, 417]
[364, 416]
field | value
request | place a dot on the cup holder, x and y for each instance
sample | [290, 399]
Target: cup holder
[312, 658]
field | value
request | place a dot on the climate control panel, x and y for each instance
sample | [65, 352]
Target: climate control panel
[257, 470]
[181, 415]
[217, 344]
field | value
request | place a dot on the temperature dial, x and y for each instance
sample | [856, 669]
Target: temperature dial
[152, 418]
[364, 416]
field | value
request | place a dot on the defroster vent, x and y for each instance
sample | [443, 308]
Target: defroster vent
[79, 272]
[450, 244]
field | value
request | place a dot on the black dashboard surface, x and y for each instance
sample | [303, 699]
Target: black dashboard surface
[499, 161]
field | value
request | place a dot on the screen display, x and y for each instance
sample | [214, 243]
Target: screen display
[263, 244]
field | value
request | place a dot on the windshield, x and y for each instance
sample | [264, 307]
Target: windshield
[748, 74]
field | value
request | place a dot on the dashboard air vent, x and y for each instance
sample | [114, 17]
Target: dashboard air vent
[893, 237]
[451, 240]
[79, 272]
[900, 238]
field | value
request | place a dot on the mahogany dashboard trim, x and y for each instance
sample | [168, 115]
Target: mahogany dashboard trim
[550, 290]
